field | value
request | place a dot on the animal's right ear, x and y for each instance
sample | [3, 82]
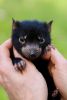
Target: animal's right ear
[15, 24]
[49, 26]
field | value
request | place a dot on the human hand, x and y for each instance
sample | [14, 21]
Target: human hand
[28, 85]
[58, 70]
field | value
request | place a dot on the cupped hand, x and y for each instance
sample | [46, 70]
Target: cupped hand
[28, 85]
[58, 70]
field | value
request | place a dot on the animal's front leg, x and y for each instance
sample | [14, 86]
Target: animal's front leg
[19, 64]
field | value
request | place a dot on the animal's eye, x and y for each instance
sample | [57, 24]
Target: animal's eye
[22, 39]
[41, 40]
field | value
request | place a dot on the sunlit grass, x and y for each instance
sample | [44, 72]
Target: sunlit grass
[3, 95]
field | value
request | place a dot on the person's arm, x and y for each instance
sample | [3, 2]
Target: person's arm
[58, 70]
[28, 85]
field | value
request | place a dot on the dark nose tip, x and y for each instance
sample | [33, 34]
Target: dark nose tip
[32, 54]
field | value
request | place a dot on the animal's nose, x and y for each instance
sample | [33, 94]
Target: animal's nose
[32, 54]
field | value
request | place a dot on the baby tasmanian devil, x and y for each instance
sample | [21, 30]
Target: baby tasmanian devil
[30, 39]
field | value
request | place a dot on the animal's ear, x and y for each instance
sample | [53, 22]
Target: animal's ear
[49, 26]
[15, 24]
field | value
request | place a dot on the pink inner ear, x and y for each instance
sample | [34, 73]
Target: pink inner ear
[14, 25]
[49, 26]
[50, 23]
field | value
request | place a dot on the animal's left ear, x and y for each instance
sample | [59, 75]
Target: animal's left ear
[49, 25]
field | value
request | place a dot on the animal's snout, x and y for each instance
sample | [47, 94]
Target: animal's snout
[32, 54]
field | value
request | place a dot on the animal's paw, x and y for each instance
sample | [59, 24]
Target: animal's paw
[48, 48]
[19, 64]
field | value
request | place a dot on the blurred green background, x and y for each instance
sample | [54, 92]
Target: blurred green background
[43, 10]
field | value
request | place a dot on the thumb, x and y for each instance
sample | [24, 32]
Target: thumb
[4, 50]
[56, 56]
[56, 61]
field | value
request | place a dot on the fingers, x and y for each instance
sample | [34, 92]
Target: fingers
[54, 55]
[5, 61]
[7, 43]
[4, 50]
[56, 60]
[47, 53]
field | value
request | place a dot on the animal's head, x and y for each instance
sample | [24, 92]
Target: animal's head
[30, 38]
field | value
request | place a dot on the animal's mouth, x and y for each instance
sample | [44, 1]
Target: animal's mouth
[31, 53]
[33, 56]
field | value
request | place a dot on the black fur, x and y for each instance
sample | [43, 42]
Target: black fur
[32, 30]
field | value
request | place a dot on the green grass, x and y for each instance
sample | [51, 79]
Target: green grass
[43, 10]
